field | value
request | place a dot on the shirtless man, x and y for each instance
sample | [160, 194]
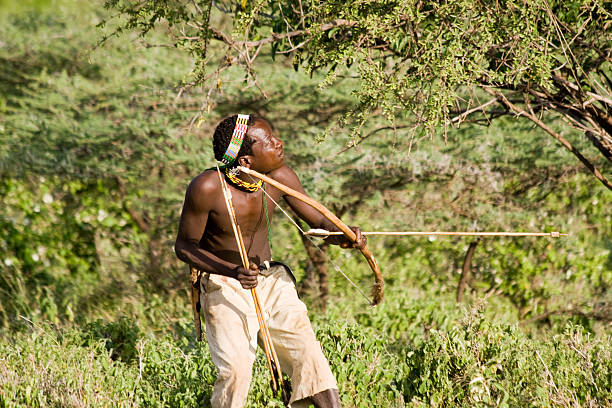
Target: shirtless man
[206, 241]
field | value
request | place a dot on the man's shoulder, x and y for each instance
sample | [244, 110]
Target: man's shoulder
[206, 182]
[284, 174]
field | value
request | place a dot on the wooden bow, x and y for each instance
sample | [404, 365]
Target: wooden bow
[377, 288]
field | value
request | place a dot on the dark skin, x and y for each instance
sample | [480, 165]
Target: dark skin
[206, 239]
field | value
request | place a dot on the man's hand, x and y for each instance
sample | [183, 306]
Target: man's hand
[247, 277]
[360, 240]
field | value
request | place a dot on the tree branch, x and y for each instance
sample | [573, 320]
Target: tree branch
[575, 87]
[219, 35]
[500, 97]
[461, 118]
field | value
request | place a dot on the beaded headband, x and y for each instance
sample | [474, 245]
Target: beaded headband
[237, 138]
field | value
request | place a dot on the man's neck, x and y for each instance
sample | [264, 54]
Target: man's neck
[243, 181]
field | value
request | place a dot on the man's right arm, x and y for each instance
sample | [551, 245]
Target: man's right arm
[194, 216]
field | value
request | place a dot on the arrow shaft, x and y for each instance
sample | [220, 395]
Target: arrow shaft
[451, 233]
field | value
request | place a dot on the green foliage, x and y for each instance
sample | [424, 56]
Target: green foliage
[479, 364]
[469, 362]
[84, 153]
[417, 64]
[364, 368]
[105, 364]
[45, 252]
[408, 319]
[95, 154]
[43, 368]
[119, 337]
[175, 375]
[75, 115]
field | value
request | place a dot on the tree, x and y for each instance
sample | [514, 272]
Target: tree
[89, 173]
[422, 64]
[82, 226]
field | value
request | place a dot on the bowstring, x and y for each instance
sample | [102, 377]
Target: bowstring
[336, 267]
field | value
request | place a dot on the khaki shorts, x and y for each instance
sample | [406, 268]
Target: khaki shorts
[232, 327]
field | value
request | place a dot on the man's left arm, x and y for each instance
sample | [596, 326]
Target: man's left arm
[313, 217]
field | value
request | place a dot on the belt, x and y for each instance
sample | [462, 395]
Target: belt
[269, 264]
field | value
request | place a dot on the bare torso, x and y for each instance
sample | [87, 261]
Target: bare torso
[206, 238]
[218, 236]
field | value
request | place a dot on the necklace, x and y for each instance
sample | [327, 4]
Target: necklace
[241, 183]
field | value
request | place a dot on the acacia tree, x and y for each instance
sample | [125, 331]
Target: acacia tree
[422, 64]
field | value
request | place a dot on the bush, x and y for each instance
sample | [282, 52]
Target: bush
[46, 368]
[480, 364]
[463, 363]
[119, 337]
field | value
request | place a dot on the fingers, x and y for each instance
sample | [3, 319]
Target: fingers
[359, 243]
[360, 239]
[248, 277]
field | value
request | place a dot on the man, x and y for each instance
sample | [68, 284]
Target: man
[206, 241]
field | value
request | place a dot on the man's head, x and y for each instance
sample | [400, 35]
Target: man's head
[259, 147]
[223, 136]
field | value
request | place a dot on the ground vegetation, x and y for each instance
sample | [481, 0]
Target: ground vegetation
[98, 144]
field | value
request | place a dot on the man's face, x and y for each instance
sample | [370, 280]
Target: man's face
[268, 151]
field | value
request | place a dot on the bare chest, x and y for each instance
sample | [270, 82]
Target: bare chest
[251, 213]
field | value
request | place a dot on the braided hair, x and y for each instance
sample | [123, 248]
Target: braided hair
[223, 136]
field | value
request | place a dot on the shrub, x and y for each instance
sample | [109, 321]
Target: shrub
[480, 364]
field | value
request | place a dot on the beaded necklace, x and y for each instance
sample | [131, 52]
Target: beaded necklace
[241, 183]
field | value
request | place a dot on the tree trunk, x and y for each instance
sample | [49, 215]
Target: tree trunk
[465, 272]
[316, 269]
